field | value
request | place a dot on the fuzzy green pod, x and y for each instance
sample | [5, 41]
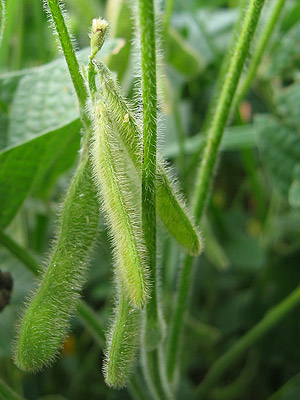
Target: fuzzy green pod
[119, 207]
[122, 343]
[170, 206]
[46, 320]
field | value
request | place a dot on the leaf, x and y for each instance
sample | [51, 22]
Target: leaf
[42, 101]
[286, 58]
[39, 99]
[20, 165]
[294, 192]
[22, 284]
[288, 105]
[182, 56]
[279, 147]
[42, 137]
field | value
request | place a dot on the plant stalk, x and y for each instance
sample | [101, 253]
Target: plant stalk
[153, 332]
[207, 167]
[258, 53]
[148, 66]
[70, 56]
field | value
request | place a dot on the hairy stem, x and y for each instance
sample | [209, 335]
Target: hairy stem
[207, 167]
[153, 327]
[69, 53]
[148, 65]
[2, 20]
[258, 53]
[24, 256]
[271, 319]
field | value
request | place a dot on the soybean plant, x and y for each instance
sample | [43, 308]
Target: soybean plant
[113, 141]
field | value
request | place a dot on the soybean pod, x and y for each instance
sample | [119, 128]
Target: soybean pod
[119, 207]
[170, 205]
[122, 343]
[46, 321]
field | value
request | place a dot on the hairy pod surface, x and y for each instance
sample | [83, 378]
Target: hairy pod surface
[119, 207]
[122, 343]
[46, 320]
[170, 206]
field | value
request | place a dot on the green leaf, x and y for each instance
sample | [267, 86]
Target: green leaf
[279, 147]
[286, 58]
[20, 165]
[182, 56]
[288, 105]
[39, 99]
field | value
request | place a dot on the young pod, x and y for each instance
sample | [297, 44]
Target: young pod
[170, 206]
[119, 207]
[122, 342]
[46, 320]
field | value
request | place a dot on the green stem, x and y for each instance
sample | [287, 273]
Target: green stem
[13, 10]
[6, 393]
[153, 332]
[207, 167]
[91, 321]
[137, 388]
[148, 65]
[271, 319]
[68, 50]
[24, 256]
[258, 53]
[168, 14]
[218, 86]
[221, 115]
[177, 322]
[2, 20]
[152, 363]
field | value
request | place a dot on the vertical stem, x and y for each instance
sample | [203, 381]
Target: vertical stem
[20, 253]
[2, 20]
[153, 326]
[258, 53]
[148, 65]
[168, 13]
[68, 50]
[208, 163]
[271, 319]
[12, 10]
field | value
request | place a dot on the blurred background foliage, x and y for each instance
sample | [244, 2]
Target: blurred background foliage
[252, 255]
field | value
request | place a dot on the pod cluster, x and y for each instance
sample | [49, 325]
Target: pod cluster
[109, 171]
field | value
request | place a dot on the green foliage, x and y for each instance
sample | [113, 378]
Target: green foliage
[224, 343]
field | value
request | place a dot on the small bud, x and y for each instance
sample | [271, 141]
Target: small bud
[98, 33]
